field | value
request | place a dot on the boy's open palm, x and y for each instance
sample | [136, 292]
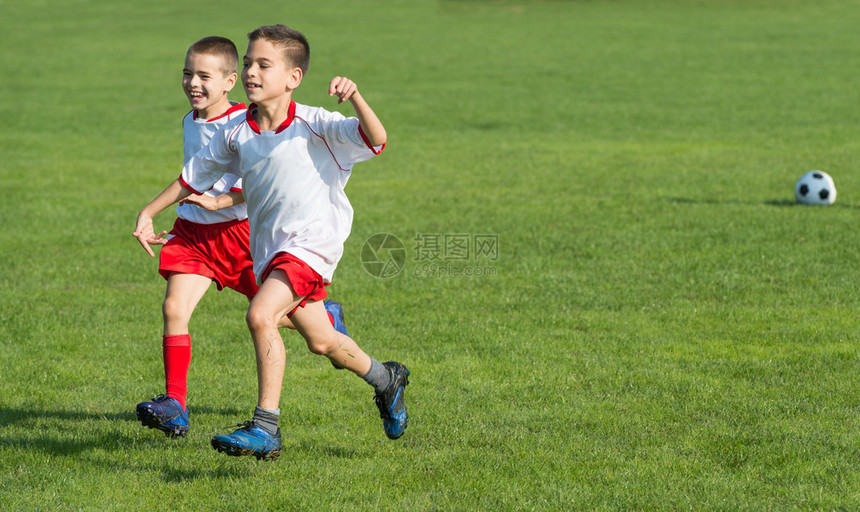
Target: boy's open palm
[146, 235]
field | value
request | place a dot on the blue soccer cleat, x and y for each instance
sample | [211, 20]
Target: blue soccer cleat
[336, 311]
[249, 440]
[165, 414]
[391, 402]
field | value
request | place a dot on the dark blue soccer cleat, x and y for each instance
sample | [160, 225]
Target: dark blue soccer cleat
[336, 311]
[391, 402]
[165, 414]
[249, 440]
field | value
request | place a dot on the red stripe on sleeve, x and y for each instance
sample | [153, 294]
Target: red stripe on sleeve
[366, 141]
[186, 185]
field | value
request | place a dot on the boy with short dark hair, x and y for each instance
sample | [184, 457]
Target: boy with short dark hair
[294, 161]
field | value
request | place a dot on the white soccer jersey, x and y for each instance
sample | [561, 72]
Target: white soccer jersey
[293, 180]
[196, 134]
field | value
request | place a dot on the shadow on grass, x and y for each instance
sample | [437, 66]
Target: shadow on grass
[10, 417]
[179, 475]
[110, 441]
[106, 441]
[333, 451]
[60, 445]
[70, 433]
[781, 203]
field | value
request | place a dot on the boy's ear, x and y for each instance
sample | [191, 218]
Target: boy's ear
[231, 82]
[294, 78]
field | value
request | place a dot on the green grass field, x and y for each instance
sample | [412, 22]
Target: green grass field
[661, 328]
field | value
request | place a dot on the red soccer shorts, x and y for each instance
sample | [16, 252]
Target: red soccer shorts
[303, 279]
[219, 251]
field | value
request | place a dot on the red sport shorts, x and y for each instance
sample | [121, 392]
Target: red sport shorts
[303, 279]
[219, 251]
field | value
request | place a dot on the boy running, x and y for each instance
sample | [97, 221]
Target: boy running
[294, 161]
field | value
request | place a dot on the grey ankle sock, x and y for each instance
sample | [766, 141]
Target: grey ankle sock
[266, 419]
[378, 376]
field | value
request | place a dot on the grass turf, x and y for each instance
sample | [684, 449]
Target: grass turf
[662, 329]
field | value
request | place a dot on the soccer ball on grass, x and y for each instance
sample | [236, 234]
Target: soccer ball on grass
[815, 187]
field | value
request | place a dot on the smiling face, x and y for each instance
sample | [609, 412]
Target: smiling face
[206, 84]
[266, 76]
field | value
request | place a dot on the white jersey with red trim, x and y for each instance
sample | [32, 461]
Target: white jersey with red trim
[294, 179]
[196, 134]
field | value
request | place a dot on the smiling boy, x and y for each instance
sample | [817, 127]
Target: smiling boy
[204, 246]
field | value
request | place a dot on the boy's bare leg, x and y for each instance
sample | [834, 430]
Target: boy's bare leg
[286, 322]
[387, 379]
[183, 293]
[313, 324]
[274, 300]
[261, 436]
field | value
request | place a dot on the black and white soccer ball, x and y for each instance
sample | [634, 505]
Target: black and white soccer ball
[815, 187]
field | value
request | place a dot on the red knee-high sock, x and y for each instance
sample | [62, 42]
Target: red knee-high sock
[177, 359]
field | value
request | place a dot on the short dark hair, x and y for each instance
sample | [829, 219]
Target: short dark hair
[295, 45]
[220, 47]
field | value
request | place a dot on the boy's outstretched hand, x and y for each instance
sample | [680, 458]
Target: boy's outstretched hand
[343, 87]
[146, 235]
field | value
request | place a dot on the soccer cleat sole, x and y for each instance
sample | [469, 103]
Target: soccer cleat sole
[234, 451]
[406, 420]
[149, 419]
[398, 436]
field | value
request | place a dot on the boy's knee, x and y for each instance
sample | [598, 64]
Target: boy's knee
[257, 319]
[323, 344]
[175, 310]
